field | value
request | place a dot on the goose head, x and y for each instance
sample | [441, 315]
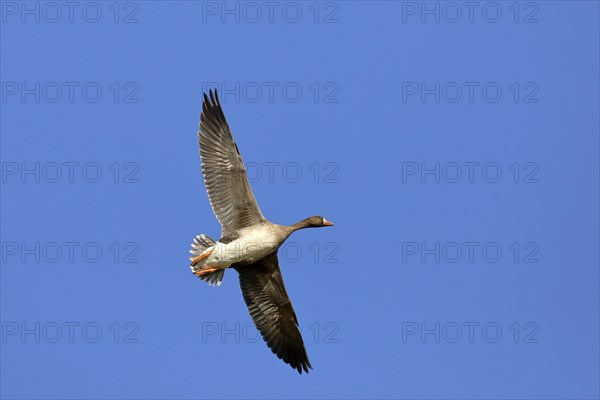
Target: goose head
[321, 221]
[312, 222]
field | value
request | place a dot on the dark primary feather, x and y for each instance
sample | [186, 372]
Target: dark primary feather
[272, 311]
[227, 185]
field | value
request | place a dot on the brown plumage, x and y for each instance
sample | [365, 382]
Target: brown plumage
[242, 223]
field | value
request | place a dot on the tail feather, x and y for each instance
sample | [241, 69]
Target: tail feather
[199, 245]
[215, 278]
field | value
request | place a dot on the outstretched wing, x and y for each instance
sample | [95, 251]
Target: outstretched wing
[272, 311]
[229, 191]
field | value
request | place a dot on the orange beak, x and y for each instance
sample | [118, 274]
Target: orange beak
[327, 223]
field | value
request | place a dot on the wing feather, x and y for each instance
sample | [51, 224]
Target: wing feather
[229, 191]
[272, 312]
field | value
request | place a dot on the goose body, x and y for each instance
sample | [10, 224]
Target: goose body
[244, 246]
[249, 242]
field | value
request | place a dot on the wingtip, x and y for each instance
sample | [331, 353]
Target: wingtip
[303, 366]
[210, 99]
[307, 366]
[217, 101]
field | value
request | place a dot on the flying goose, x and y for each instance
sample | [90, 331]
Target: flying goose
[249, 242]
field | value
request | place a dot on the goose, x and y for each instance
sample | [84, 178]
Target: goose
[249, 242]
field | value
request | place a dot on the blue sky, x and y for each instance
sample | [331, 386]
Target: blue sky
[455, 147]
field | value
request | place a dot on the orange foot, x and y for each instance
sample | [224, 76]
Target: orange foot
[202, 256]
[205, 271]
